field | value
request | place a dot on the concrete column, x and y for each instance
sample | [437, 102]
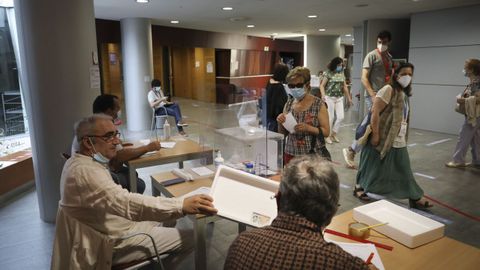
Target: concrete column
[56, 40]
[137, 71]
[320, 50]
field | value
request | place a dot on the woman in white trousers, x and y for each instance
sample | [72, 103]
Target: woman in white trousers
[334, 89]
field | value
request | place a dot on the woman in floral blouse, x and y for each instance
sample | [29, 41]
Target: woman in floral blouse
[311, 115]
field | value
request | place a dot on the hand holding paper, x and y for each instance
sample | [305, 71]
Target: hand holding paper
[290, 123]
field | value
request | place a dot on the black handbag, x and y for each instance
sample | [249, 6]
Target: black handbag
[323, 150]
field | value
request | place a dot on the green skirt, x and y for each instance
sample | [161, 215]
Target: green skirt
[391, 177]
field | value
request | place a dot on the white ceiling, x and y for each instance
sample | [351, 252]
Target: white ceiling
[287, 18]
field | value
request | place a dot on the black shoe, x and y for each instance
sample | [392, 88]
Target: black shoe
[360, 193]
[418, 205]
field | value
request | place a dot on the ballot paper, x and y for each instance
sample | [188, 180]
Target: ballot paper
[361, 251]
[167, 144]
[198, 191]
[290, 122]
[202, 171]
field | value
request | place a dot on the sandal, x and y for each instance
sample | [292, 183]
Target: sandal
[360, 193]
[419, 205]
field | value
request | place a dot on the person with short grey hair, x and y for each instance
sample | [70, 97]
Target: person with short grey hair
[307, 200]
[309, 188]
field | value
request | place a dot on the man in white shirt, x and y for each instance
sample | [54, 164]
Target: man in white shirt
[92, 202]
[160, 103]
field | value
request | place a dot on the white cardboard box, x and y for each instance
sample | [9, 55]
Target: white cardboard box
[404, 226]
[244, 197]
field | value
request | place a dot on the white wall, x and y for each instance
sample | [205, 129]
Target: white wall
[320, 50]
[440, 42]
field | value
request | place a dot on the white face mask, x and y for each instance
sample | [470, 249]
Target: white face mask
[298, 92]
[98, 157]
[157, 88]
[404, 80]
[119, 114]
[464, 73]
[382, 47]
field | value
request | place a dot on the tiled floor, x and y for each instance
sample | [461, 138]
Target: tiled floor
[26, 241]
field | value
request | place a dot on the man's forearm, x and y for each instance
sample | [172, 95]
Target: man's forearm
[127, 154]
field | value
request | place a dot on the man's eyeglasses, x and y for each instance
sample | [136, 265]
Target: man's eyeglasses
[298, 85]
[108, 137]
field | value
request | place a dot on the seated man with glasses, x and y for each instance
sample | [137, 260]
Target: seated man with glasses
[110, 105]
[92, 206]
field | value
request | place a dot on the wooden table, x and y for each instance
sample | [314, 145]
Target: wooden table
[183, 150]
[444, 253]
[17, 170]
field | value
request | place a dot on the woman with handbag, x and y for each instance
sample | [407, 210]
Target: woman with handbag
[311, 115]
[384, 163]
[468, 104]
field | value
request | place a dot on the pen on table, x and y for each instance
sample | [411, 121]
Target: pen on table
[369, 260]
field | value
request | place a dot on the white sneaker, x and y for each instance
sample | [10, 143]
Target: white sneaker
[335, 139]
[328, 140]
[453, 164]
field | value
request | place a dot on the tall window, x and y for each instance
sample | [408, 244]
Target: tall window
[13, 126]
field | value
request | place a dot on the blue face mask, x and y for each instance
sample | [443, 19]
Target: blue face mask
[298, 92]
[98, 157]
[339, 69]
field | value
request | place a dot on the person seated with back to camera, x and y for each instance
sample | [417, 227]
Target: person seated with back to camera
[95, 214]
[110, 105]
[160, 103]
[307, 200]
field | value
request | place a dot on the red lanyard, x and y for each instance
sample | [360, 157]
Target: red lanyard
[388, 69]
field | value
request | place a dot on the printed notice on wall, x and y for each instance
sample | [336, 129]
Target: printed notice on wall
[94, 77]
[209, 67]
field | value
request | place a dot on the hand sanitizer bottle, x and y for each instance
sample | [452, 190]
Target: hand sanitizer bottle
[166, 130]
[218, 160]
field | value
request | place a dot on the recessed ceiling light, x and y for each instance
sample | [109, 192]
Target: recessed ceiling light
[142, 1]
[312, 16]
[250, 26]
[227, 8]
[322, 29]
[174, 22]
[348, 35]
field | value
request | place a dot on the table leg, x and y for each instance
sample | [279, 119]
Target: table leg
[155, 191]
[199, 232]
[132, 178]
[241, 227]
[180, 164]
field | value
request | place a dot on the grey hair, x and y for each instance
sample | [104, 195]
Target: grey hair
[86, 126]
[310, 188]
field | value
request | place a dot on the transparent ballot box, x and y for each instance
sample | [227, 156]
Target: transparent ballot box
[261, 147]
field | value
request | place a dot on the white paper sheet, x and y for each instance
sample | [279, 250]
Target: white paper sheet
[200, 190]
[145, 142]
[202, 171]
[290, 123]
[361, 251]
[168, 144]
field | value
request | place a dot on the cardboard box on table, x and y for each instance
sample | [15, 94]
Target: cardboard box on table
[404, 226]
